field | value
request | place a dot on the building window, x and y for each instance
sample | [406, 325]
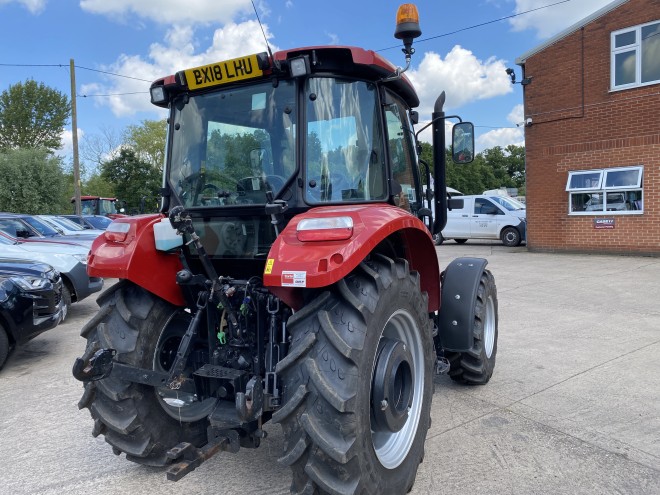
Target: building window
[635, 59]
[608, 191]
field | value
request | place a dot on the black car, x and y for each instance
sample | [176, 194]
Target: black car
[98, 222]
[30, 302]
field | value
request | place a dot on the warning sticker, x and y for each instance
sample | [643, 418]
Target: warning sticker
[269, 266]
[294, 279]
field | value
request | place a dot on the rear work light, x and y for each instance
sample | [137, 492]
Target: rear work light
[325, 229]
[158, 94]
[117, 232]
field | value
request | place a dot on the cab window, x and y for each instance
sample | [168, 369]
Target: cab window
[402, 157]
[344, 159]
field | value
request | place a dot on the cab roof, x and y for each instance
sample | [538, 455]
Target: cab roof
[347, 61]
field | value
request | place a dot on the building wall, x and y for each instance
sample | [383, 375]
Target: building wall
[578, 124]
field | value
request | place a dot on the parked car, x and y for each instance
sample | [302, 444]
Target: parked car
[68, 227]
[485, 217]
[69, 259]
[31, 227]
[90, 221]
[30, 302]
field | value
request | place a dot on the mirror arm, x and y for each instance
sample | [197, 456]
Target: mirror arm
[434, 120]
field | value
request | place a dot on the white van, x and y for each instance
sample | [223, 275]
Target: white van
[485, 217]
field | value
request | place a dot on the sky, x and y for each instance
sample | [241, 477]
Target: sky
[120, 46]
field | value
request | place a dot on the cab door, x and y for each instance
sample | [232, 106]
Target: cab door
[485, 218]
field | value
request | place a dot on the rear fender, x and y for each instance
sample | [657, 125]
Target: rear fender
[135, 258]
[294, 265]
[460, 284]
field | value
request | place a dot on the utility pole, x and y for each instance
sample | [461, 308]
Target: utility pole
[74, 134]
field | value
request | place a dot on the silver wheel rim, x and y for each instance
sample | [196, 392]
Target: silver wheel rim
[392, 447]
[489, 327]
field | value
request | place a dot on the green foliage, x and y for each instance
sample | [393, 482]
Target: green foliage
[491, 169]
[148, 141]
[32, 115]
[32, 182]
[97, 185]
[135, 182]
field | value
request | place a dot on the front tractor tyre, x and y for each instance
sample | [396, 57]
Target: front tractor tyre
[358, 383]
[142, 421]
[475, 366]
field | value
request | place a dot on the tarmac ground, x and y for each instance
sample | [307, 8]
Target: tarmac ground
[573, 406]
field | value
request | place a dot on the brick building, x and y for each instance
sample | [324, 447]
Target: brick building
[592, 135]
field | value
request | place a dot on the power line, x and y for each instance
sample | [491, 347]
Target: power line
[121, 75]
[478, 25]
[33, 65]
[78, 67]
[116, 94]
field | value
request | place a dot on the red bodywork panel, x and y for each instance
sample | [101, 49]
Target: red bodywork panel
[136, 259]
[293, 264]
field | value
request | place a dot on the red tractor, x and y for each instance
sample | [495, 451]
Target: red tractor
[95, 205]
[292, 276]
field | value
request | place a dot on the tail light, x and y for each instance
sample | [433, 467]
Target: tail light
[324, 229]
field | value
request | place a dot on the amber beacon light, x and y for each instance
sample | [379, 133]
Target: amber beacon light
[407, 24]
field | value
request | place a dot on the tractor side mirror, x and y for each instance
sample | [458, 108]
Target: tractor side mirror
[462, 142]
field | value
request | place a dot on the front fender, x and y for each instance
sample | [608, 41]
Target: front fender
[135, 258]
[460, 286]
[293, 265]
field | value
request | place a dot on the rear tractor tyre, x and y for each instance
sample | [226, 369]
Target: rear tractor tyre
[475, 366]
[511, 237]
[358, 383]
[140, 420]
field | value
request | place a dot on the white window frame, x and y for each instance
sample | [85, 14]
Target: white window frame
[584, 172]
[604, 191]
[637, 48]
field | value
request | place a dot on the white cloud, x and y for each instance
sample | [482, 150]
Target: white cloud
[517, 115]
[461, 75]
[170, 11]
[501, 137]
[178, 52]
[506, 135]
[333, 39]
[66, 150]
[550, 21]
[34, 6]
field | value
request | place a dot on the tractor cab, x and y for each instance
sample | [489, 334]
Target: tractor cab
[317, 126]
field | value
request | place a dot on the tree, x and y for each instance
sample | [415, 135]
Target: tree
[31, 179]
[148, 141]
[491, 169]
[96, 185]
[98, 148]
[135, 181]
[32, 115]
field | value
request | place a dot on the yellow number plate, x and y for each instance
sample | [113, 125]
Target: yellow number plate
[225, 72]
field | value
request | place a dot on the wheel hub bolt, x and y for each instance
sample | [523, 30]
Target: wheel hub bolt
[383, 404]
